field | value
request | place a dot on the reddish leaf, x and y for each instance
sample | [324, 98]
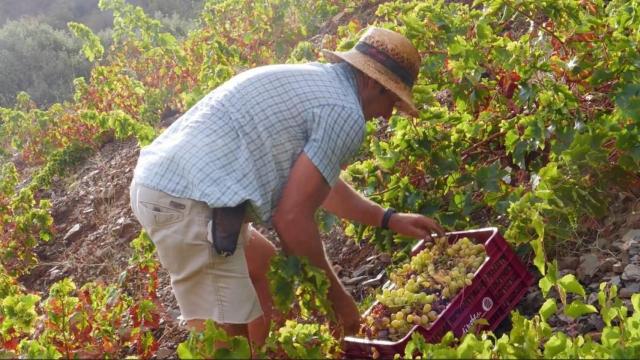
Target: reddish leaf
[11, 344]
[583, 37]
[508, 83]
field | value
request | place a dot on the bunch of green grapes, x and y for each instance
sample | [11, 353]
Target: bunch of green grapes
[423, 287]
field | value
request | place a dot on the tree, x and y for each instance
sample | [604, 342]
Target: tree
[58, 13]
[40, 60]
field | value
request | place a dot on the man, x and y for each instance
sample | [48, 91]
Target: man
[269, 144]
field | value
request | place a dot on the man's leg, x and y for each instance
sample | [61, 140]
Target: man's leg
[258, 253]
[206, 285]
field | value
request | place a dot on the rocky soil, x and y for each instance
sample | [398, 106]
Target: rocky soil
[612, 257]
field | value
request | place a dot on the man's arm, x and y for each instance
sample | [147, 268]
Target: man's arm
[294, 221]
[345, 202]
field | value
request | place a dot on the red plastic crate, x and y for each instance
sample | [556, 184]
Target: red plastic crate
[496, 288]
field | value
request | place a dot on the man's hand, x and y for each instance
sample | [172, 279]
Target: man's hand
[346, 312]
[414, 225]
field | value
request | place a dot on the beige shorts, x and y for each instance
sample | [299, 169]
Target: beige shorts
[206, 285]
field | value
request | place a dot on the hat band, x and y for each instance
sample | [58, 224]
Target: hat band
[387, 61]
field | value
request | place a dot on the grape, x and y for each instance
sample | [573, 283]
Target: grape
[445, 292]
[426, 308]
[423, 298]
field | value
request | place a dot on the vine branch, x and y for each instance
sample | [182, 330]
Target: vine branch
[551, 33]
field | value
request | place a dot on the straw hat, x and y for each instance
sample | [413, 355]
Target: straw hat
[387, 57]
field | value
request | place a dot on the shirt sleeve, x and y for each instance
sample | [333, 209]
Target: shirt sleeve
[335, 135]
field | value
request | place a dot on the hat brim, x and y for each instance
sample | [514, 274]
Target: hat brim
[378, 72]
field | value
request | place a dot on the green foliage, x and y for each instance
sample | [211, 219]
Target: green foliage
[23, 222]
[443, 350]
[19, 310]
[17, 314]
[273, 30]
[58, 163]
[203, 345]
[302, 53]
[122, 125]
[527, 108]
[34, 134]
[533, 338]
[304, 341]
[143, 252]
[91, 47]
[130, 22]
[96, 320]
[293, 281]
[34, 349]
[86, 322]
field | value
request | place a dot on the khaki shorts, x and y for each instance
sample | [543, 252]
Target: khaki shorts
[206, 285]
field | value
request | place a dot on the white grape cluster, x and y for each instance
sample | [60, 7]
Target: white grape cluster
[423, 287]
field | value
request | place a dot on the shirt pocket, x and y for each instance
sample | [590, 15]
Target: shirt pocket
[156, 215]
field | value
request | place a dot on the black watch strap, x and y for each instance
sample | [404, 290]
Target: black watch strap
[386, 217]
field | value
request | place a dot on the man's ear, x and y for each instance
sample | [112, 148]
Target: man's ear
[372, 84]
[377, 87]
[365, 82]
[369, 87]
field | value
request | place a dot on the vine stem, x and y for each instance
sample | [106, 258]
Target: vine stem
[59, 263]
[64, 330]
[551, 33]
[466, 152]
[385, 191]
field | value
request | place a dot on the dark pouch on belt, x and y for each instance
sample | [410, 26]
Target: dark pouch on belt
[226, 223]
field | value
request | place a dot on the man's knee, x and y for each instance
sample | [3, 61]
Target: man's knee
[230, 329]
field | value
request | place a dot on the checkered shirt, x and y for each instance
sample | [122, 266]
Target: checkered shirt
[239, 142]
